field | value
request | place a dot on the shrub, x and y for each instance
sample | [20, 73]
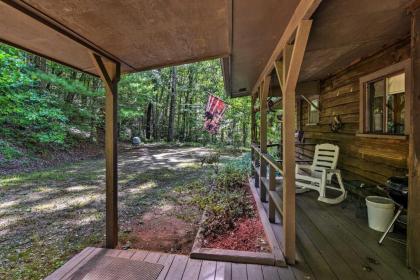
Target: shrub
[229, 200]
[8, 152]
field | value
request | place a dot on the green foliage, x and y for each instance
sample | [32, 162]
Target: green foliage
[241, 165]
[228, 200]
[30, 114]
[42, 103]
[8, 151]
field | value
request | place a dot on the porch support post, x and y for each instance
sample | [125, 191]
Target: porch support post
[263, 134]
[288, 72]
[110, 75]
[253, 135]
[413, 229]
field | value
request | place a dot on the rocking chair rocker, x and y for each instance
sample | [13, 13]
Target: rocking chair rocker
[318, 176]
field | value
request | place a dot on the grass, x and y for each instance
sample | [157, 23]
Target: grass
[36, 263]
[80, 172]
[47, 216]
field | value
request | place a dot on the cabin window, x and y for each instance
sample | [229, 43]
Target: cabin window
[384, 97]
[386, 102]
[313, 112]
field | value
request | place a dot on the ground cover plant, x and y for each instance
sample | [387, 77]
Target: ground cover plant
[231, 219]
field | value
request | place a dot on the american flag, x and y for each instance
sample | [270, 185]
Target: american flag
[214, 113]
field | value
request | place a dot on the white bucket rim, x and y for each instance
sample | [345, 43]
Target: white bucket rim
[380, 202]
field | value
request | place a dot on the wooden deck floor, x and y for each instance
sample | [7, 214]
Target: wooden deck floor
[333, 243]
[178, 267]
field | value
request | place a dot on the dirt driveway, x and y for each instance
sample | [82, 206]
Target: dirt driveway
[47, 216]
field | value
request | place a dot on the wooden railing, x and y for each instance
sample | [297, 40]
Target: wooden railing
[267, 184]
[286, 60]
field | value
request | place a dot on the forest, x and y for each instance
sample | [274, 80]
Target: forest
[47, 107]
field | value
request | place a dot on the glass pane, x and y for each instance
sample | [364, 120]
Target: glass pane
[396, 84]
[376, 93]
[313, 112]
[315, 102]
[395, 113]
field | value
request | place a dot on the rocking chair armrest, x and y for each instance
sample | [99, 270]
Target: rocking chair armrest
[303, 166]
[329, 170]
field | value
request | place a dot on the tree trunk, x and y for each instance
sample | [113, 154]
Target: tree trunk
[148, 120]
[171, 120]
[244, 133]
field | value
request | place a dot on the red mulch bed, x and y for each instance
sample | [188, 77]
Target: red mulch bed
[247, 235]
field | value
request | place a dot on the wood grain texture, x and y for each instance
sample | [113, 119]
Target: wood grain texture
[192, 270]
[289, 120]
[414, 166]
[332, 243]
[110, 75]
[254, 272]
[368, 159]
[239, 271]
[208, 270]
[177, 268]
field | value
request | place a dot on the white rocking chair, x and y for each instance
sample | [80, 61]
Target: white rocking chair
[318, 175]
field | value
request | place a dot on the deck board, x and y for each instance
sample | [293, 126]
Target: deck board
[167, 261]
[270, 272]
[350, 246]
[286, 273]
[95, 252]
[152, 257]
[223, 271]
[59, 273]
[139, 255]
[208, 270]
[333, 244]
[126, 254]
[239, 271]
[192, 270]
[325, 247]
[254, 272]
[177, 268]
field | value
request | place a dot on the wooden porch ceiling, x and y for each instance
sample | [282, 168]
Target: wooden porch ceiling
[150, 34]
[343, 32]
[138, 34]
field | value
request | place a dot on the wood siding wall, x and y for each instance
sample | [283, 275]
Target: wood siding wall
[367, 159]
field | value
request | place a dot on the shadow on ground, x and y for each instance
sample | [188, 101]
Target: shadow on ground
[47, 216]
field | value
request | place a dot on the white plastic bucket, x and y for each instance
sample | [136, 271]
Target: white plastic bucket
[380, 212]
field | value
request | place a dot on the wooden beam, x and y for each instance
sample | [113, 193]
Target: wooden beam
[303, 11]
[263, 133]
[287, 56]
[110, 75]
[278, 65]
[289, 120]
[413, 229]
[103, 71]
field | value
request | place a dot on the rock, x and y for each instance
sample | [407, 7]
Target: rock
[127, 246]
[136, 141]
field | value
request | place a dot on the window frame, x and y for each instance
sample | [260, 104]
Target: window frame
[312, 98]
[394, 69]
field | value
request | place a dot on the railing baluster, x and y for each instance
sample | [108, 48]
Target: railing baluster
[272, 187]
[263, 174]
